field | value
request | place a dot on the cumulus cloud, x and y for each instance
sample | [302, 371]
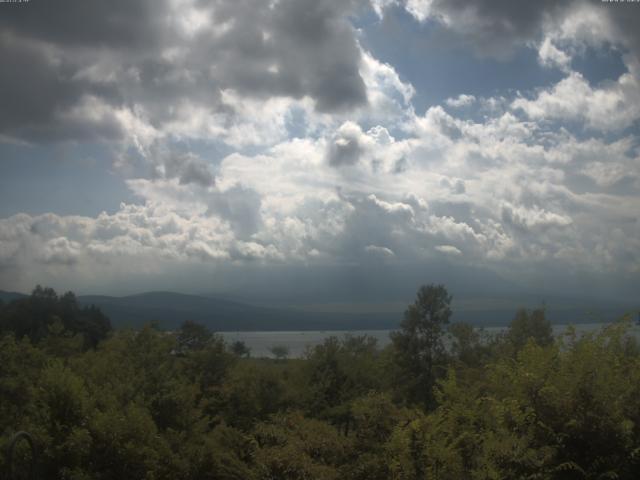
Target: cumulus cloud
[240, 206]
[347, 146]
[322, 158]
[187, 167]
[491, 27]
[551, 56]
[612, 107]
[497, 28]
[461, 100]
[151, 58]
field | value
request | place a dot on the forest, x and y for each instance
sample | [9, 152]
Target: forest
[443, 401]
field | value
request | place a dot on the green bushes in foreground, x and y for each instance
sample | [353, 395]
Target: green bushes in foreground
[149, 404]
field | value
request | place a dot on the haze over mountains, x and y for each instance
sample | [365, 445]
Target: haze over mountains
[170, 309]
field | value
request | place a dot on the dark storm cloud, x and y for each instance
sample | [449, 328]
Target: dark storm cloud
[293, 48]
[115, 23]
[152, 54]
[36, 87]
[495, 27]
[626, 17]
[332, 75]
[499, 27]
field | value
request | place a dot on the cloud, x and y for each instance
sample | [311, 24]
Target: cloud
[347, 146]
[492, 27]
[379, 6]
[188, 168]
[320, 156]
[389, 96]
[613, 107]
[382, 252]
[533, 218]
[75, 23]
[152, 59]
[550, 56]
[42, 101]
[461, 100]
[489, 188]
[624, 19]
[60, 251]
[497, 28]
[240, 206]
[448, 250]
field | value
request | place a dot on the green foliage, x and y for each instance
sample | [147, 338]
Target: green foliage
[252, 392]
[149, 404]
[529, 326]
[469, 345]
[562, 411]
[374, 418]
[293, 447]
[280, 352]
[34, 316]
[193, 336]
[339, 371]
[418, 346]
[240, 349]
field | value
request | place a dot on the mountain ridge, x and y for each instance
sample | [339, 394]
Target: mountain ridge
[170, 309]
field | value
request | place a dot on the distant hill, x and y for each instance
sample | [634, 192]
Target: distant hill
[170, 309]
[7, 297]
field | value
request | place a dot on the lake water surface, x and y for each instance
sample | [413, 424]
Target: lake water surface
[298, 342]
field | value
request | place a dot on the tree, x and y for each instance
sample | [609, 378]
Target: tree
[293, 447]
[280, 351]
[252, 392]
[527, 326]
[33, 316]
[240, 349]
[193, 336]
[418, 346]
[339, 371]
[468, 345]
[93, 324]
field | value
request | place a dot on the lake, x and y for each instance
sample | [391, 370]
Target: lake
[298, 342]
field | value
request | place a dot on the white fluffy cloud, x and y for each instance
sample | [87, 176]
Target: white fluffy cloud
[613, 107]
[461, 100]
[481, 192]
[326, 161]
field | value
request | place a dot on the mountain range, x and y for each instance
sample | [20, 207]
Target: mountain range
[169, 310]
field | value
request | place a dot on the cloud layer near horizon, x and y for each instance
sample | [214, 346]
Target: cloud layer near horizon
[327, 161]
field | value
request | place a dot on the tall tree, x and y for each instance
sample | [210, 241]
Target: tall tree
[418, 346]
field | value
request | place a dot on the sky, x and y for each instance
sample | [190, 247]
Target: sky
[325, 150]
